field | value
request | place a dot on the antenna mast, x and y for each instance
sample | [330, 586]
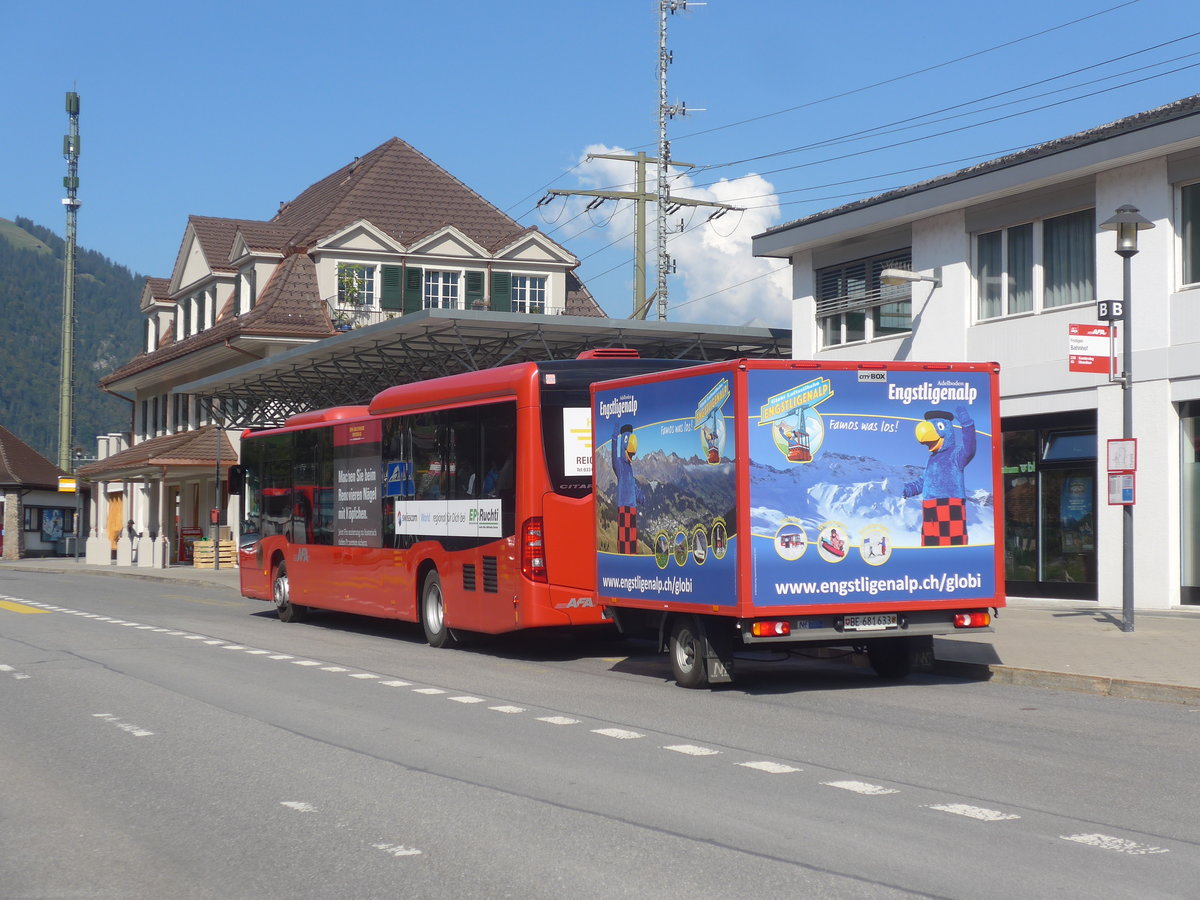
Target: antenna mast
[67, 358]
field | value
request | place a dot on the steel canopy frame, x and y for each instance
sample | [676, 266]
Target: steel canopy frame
[351, 368]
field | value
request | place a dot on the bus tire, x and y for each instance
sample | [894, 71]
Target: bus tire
[891, 658]
[433, 611]
[281, 591]
[688, 665]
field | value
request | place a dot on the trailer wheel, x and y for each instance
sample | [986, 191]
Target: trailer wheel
[433, 611]
[891, 658]
[281, 591]
[687, 652]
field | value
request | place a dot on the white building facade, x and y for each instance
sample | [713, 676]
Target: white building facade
[1012, 255]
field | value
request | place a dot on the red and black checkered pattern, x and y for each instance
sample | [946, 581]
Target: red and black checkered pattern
[944, 523]
[627, 538]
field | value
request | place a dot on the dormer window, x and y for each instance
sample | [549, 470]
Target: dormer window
[356, 284]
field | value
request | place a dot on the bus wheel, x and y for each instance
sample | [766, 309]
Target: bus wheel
[433, 611]
[891, 658]
[288, 611]
[687, 652]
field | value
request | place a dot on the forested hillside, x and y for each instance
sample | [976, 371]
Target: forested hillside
[107, 334]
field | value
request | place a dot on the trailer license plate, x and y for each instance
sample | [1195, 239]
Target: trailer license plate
[874, 622]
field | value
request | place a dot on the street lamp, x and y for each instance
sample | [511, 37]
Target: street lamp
[894, 277]
[1127, 222]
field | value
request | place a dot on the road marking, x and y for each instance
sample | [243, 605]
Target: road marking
[234, 647]
[305, 662]
[135, 730]
[619, 733]
[429, 691]
[972, 812]
[773, 768]
[15, 674]
[396, 682]
[558, 720]
[466, 699]
[334, 669]
[507, 709]
[397, 849]
[692, 750]
[298, 805]
[1107, 842]
[860, 787]
[363, 676]
[19, 607]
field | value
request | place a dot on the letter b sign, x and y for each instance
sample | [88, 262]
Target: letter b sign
[1110, 310]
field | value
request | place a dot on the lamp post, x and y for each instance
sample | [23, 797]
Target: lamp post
[1127, 222]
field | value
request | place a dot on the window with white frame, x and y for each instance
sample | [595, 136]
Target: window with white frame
[1036, 265]
[854, 305]
[356, 284]
[1189, 232]
[441, 290]
[529, 293]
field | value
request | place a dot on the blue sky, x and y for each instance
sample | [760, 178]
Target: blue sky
[227, 109]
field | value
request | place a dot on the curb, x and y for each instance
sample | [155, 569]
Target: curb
[1102, 685]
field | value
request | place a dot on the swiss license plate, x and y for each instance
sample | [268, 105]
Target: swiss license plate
[871, 622]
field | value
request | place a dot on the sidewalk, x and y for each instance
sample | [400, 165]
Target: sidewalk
[1068, 645]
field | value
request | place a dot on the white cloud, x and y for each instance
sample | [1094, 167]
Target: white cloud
[717, 280]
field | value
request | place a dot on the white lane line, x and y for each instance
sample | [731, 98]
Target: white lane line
[507, 709]
[234, 647]
[298, 805]
[279, 656]
[4, 668]
[397, 849]
[396, 682]
[135, 730]
[772, 768]
[305, 662]
[972, 812]
[466, 699]
[258, 652]
[429, 691]
[558, 720]
[1107, 842]
[334, 669]
[861, 787]
[364, 676]
[692, 750]
[619, 733]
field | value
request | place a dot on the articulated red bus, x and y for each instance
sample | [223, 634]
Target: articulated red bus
[462, 502]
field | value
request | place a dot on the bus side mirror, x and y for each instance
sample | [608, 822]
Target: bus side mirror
[236, 480]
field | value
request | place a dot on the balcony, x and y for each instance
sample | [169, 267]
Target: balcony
[346, 317]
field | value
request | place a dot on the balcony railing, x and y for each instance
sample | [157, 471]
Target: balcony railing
[346, 317]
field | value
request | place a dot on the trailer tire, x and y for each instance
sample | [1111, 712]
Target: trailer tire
[688, 664]
[281, 592]
[891, 658]
[433, 611]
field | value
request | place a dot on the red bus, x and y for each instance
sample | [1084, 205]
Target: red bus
[462, 502]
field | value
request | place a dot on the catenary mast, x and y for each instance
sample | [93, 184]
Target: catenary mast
[67, 358]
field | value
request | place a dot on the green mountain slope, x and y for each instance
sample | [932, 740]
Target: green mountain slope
[108, 327]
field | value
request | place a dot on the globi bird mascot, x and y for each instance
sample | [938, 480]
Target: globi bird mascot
[624, 447]
[942, 488]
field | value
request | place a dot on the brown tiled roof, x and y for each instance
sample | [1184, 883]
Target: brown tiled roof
[266, 237]
[160, 288]
[188, 448]
[288, 307]
[580, 301]
[22, 466]
[401, 191]
[216, 238]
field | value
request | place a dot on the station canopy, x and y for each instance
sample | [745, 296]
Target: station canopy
[351, 368]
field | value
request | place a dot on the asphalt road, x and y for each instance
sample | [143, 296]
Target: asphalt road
[167, 740]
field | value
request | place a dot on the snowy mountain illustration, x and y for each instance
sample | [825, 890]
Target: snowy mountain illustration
[856, 492]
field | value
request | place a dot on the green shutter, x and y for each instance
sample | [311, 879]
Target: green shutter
[502, 291]
[414, 284]
[392, 295]
[474, 293]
